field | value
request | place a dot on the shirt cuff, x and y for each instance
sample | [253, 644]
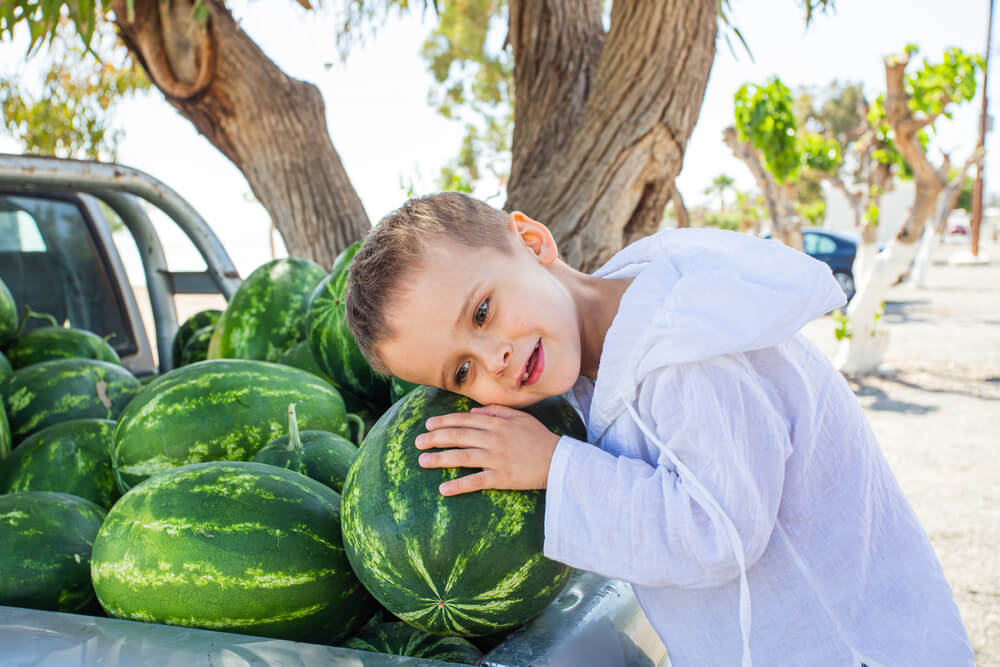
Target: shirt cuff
[554, 493]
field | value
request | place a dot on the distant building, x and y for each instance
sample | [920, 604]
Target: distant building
[894, 208]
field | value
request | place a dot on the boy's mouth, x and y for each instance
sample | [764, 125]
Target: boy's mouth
[534, 366]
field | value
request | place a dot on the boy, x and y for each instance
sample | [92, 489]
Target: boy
[732, 464]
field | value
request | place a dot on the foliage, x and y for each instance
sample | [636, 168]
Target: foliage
[73, 116]
[843, 329]
[721, 184]
[965, 197]
[719, 219]
[935, 85]
[765, 117]
[812, 212]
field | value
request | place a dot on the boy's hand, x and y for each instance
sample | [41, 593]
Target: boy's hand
[513, 448]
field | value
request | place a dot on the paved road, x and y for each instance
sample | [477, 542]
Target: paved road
[936, 410]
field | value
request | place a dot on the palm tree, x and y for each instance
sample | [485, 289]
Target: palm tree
[720, 186]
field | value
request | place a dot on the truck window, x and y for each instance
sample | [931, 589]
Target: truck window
[51, 262]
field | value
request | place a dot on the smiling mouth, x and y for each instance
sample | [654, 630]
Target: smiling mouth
[531, 367]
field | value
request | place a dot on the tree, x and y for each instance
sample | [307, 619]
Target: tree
[721, 184]
[767, 138]
[598, 137]
[912, 104]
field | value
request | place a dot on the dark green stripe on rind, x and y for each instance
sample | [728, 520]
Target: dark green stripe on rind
[50, 343]
[8, 314]
[200, 320]
[70, 457]
[46, 543]
[400, 639]
[333, 345]
[243, 547]
[218, 410]
[51, 392]
[267, 314]
[461, 565]
[5, 440]
[5, 368]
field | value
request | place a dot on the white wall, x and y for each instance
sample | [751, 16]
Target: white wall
[894, 208]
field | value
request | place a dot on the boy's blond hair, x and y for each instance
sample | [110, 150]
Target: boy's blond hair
[394, 248]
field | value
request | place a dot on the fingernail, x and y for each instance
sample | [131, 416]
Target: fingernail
[444, 489]
[423, 459]
[429, 423]
[419, 441]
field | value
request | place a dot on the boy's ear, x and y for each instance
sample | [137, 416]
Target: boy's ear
[535, 236]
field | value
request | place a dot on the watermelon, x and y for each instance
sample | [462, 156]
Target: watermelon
[49, 343]
[234, 546]
[5, 367]
[5, 440]
[333, 345]
[300, 356]
[267, 314]
[47, 539]
[218, 410]
[400, 388]
[8, 314]
[196, 347]
[325, 457]
[50, 392]
[401, 639]
[465, 565]
[187, 329]
[70, 457]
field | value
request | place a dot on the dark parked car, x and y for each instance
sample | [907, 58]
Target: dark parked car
[836, 249]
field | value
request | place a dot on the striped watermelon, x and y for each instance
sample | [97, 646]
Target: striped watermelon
[8, 314]
[70, 457]
[47, 539]
[50, 392]
[49, 343]
[400, 388]
[5, 368]
[333, 344]
[401, 639]
[242, 547]
[5, 440]
[300, 356]
[325, 457]
[218, 410]
[187, 329]
[267, 314]
[460, 565]
[196, 347]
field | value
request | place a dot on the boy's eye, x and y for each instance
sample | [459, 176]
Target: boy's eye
[462, 373]
[480, 315]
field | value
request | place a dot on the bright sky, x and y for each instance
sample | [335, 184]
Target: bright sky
[386, 132]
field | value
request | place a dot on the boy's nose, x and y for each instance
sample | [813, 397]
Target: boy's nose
[500, 359]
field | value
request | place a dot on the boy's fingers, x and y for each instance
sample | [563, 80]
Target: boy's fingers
[458, 419]
[470, 457]
[497, 410]
[451, 437]
[468, 483]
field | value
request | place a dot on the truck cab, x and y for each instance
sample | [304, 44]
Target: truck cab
[58, 256]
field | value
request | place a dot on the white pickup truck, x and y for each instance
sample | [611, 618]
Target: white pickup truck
[57, 254]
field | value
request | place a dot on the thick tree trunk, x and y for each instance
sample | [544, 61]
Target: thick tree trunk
[271, 126]
[863, 351]
[602, 120]
[785, 225]
[680, 210]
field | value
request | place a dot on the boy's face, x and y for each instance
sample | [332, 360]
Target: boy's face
[474, 321]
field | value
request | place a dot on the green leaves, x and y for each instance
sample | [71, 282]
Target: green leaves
[932, 88]
[43, 18]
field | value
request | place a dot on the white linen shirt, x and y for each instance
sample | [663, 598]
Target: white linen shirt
[736, 472]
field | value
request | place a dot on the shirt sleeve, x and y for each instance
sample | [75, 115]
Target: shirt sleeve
[645, 522]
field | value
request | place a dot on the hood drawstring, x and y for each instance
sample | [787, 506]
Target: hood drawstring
[720, 519]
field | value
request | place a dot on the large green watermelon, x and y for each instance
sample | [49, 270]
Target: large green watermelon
[325, 457]
[218, 410]
[69, 457]
[187, 329]
[242, 547]
[333, 345]
[50, 392]
[8, 314]
[267, 314]
[453, 565]
[46, 541]
[50, 343]
[401, 639]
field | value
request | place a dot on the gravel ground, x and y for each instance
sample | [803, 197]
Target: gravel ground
[935, 406]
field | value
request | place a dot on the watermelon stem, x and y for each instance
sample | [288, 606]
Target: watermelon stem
[294, 441]
[28, 312]
[359, 425]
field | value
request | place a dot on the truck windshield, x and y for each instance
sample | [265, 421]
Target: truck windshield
[52, 263]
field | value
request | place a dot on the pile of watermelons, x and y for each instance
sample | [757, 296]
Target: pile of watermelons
[240, 491]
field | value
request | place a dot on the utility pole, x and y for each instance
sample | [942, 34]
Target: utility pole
[977, 194]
